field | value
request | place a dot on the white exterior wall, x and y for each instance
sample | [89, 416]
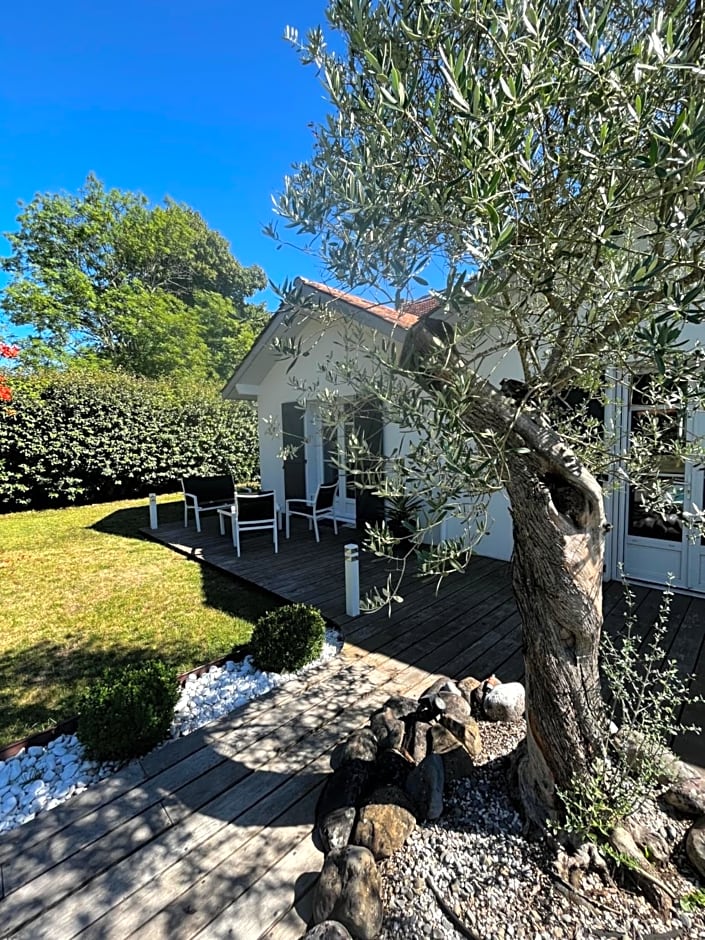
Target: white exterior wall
[278, 388]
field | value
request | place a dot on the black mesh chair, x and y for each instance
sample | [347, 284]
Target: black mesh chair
[322, 506]
[206, 494]
[251, 512]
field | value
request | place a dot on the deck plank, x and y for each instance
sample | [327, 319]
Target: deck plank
[211, 835]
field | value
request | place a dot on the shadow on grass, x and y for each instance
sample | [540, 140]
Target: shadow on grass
[24, 706]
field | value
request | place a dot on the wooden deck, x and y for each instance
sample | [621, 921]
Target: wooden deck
[210, 836]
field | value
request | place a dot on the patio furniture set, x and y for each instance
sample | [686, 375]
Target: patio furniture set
[250, 510]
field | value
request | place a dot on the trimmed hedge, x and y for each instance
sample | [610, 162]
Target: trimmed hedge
[287, 638]
[88, 436]
[128, 711]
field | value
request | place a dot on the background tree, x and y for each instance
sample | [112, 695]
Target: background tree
[151, 289]
[548, 159]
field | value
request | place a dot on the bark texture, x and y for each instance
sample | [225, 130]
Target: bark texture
[559, 526]
[558, 523]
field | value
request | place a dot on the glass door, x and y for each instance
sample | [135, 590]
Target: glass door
[695, 484]
[655, 545]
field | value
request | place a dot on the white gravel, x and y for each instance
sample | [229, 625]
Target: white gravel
[500, 885]
[40, 778]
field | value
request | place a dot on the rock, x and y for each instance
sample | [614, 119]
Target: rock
[442, 687]
[361, 745]
[419, 744]
[466, 731]
[639, 750]
[394, 795]
[425, 787]
[391, 769]
[695, 847]
[400, 706]
[457, 761]
[388, 729]
[348, 891]
[344, 787]
[687, 791]
[430, 707]
[467, 686]
[336, 827]
[505, 702]
[328, 930]
[383, 828]
[479, 693]
[456, 707]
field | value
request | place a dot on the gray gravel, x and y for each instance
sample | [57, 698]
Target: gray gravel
[499, 885]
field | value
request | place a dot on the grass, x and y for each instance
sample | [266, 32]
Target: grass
[81, 590]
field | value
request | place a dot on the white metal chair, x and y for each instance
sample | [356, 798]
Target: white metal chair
[251, 512]
[322, 506]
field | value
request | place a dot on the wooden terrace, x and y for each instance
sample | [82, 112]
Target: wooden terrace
[210, 835]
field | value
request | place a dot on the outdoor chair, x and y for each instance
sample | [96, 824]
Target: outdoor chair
[251, 512]
[322, 506]
[206, 494]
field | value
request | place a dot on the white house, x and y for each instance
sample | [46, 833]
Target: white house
[287, 389]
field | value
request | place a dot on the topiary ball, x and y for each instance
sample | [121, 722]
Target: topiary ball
[287, 638]
[127, 711]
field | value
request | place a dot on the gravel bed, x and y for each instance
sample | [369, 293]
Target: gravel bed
[39, 778]
[500, 885]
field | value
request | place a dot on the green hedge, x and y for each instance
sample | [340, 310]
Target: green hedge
[93, 436]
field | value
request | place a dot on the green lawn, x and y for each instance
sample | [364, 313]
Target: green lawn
[80, 590]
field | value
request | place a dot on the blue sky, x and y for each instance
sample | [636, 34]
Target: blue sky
[202, 100]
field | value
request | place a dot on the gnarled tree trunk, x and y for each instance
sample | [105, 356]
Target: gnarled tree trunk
[557, 565]
[559, 526]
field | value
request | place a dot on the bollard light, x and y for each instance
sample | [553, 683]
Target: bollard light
[352, 580]
[153, 521]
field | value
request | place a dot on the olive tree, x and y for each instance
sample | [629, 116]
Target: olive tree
[543, 164]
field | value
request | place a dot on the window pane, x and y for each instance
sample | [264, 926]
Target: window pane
[652, 524]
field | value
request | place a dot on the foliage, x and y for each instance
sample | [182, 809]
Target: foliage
[286, 639]
[87, 435]
[545, 161]
[692, 901]
[128, 711]
[544, 164]
[647, 694]
[149, 288]
[6, 352]
[107, 597]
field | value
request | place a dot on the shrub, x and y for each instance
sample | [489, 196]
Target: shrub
[95, 436]
[287, 638]
[128, 711]
[647, 693]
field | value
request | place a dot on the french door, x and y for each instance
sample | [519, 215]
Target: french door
[657, 544]
[331, 452]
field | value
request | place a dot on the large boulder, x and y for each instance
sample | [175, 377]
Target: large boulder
[467, 686]
[335, 828]
[465, 729]
[457, 761]
[349, 891]
[361, 745]
[342, 793]
[443, 686]
[695, 847]
[383, 828]
[687, 790]
[425, 785]
[328, 930]
[505, 702]
[388, 728]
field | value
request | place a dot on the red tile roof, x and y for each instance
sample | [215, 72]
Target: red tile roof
[406, 317]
